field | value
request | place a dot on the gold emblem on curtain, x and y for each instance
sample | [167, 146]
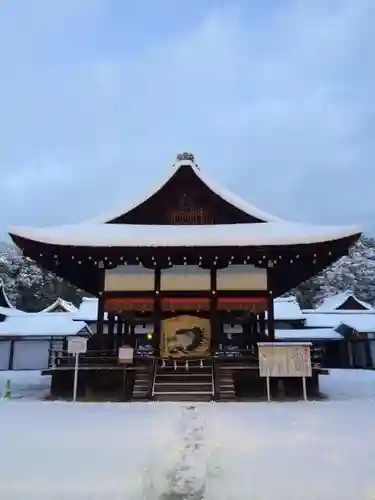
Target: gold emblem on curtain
[185, 336]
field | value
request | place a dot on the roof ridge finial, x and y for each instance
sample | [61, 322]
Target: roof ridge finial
[186, 157]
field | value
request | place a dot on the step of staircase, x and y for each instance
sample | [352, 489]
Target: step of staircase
[178, 382]
[179, 397]
[225, 389]
[181, 371]
[142, 381]
[186, 389]
[161, 379]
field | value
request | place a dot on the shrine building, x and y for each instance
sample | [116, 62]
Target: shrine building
[189, 263]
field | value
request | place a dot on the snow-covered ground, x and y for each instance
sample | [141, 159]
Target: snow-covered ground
[25, 385]
[321, 450]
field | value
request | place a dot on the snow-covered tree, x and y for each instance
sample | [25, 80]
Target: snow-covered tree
[28, 286]
[354, 272]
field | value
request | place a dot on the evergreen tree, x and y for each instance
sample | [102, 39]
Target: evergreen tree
[307, 293]
[354, 272]
[29, 287]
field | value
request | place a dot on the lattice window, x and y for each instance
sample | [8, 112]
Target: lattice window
[189, 215]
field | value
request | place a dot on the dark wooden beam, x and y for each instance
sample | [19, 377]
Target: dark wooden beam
[270, 306]
[213, 308]
[293, 264]
[101, 282]
[157, 313]
[187, 294]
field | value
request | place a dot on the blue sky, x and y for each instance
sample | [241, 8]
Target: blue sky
[274, 98]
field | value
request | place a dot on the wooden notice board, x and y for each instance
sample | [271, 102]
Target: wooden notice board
[285, 359]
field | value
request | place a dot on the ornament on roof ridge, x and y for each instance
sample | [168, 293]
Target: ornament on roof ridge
[186, 157]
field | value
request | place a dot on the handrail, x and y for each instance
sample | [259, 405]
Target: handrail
[213, 381]
[154, 379]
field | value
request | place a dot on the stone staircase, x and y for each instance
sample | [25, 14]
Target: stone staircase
[225, 385]
[142, 383]
[183, 380]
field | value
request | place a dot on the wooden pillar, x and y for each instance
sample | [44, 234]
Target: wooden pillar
[270, 305]
[368, 353]
[111, 324]
[220, 330]
[216, 331]
[110, 337]
[11, 355]
[100, 321]
[126, 332]
[119, 326]
[125, 329]
[156, 337]
[131, 337]
[117, 341]
[350, 352]
[246, 333]
[262, 325]
[253, 336]
[213, 312]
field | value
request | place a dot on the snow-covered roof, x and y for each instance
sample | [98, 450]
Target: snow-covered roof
[315, 319]
[308, 334]
[298, 334]
[287, 308]
[228, 235]
[11, 311]
[41, 324]
[60, 304]
[335, 301]
[88, 310]
[273, 231]
[361, 324]
[220, 191]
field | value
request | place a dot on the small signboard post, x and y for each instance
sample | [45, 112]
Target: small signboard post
[76, 346]
[285, 359]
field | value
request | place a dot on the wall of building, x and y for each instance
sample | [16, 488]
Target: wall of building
[27, 353]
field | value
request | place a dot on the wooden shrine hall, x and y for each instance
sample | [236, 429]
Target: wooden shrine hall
[196, 268]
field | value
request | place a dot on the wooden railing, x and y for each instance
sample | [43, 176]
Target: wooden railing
[94, 358]
[109, 358]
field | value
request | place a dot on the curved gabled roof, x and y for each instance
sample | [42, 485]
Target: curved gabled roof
[257, 228]
[230, 226]
[335, 302]
[226, 195]
[62, 304]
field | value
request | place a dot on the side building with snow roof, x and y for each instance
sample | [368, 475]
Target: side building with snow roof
[344, 301]
[354, 320]
[34, 341]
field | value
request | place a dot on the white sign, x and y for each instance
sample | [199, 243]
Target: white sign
[77, 345]
[125, 354]
[284, 359]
